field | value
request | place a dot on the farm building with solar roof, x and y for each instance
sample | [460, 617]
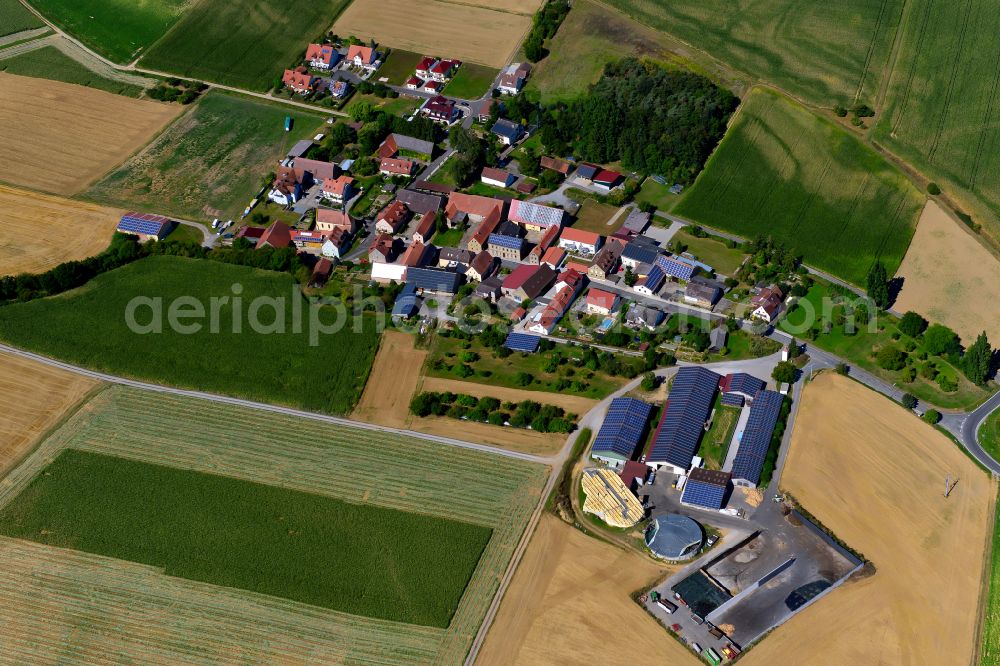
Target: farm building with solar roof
[684, 416]
[674, 537]
[706, 489]
[145, 226]
[621, 432]
[756, 438]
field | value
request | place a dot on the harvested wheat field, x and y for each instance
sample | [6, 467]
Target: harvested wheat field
[527, 7]
[511, 439]
[33, 398]
[450, 30]
[59, 137]
[874, 474]
[571, 403]
[569, 603]
[392, 381]
[949, 277]
[34, 228]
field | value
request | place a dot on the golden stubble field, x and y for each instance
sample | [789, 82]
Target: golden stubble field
[569, 603]
[950, 278]
[875, 475]
[450, 30]
[58, 137]
[39, 231]
[33, 398]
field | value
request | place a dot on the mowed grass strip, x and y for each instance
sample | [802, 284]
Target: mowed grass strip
[990, 655]
[117, 30]
[359, 559]
[784, 172]
[14, 17]
[88, 327]
[472, 81]
[209, 163]
[821, 51]
[241, 43]
[49, 62]
[942, 111]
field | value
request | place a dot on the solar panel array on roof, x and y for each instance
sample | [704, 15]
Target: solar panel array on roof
[757, 434]
[741, 382]
[511, 242]
[433, 279]
[654, 279]
[142, 223]
[688, 406]
[732, 399]
[704, 495]
[623, 427]
[522, 342]
[679, 268]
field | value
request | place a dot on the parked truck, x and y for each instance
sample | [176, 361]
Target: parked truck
[712, 656]
[666, 605]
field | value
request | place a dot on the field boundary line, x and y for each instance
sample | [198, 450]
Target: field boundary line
[871, 50]
[889, 66]
[904, 96]
[986, 586]
[492, 9]
[956, 61]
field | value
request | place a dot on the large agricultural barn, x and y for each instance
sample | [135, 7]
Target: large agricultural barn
[621, 431]
[684, 416]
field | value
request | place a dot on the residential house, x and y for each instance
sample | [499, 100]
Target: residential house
[420, 203]
[507, 131]
[338, 190]
[424, 67]
[601, 302]
[307, 241]
[513, 78]
[337, 241]
[506, 247]
[390, 166]
[393, 218]
[641, 316]
[434, 280]
[318, 169]
[363, 56]
[413, 83]
[605, 262]
[147, 226]
[581, 242]
[545, 322]
[322, 56]
[486, 110]
[432, 86]
[477, 208]
[288, 185]
[328, 219]
[395, 144]
[250, 234]
[424, 229]
[451, 257]
[571, 278]
[767, 304]
[607, 180]
[528, 282]
[383, 249]
[717, 338]
[482, 267]
[489, 289]
[639, 250]
[676, 267]
[415, 255]
[320, 273]
[439, 109]
[533, 216]
[338, 88]
[443, 70]
[497, 177]
[701, 295]
[554, 257]
[278, 235]
[561, 167]
[635, 223]
[537, 253]
[651, 284]
[299, 80]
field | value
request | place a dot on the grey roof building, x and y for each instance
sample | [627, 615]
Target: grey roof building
[674, 537]
[688, 405]
[640, 250]
[419, 202]
[434, 279]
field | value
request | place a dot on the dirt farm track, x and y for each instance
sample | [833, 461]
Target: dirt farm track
[58, 137]
[875, 474]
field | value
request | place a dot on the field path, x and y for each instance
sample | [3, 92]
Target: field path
[24, 34]
[27, 47]
[98, 65]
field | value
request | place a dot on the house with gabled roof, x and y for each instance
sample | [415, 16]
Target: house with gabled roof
[393, 218]
[328, 219]
[507, 131]
[513, 78]
[424, 67]
[554, 257]
[418, 202]
[322, 56]
[278, 235]
[439, 109]
[601, 302]
[396, 143]
[299, 80]
[383, 249]
[288, 185]
[533, 216]
[607, 180]
[482, 267]
[528, 282]
[339, 189]
[363, 56]
[580, 241]
[537, 254]
[391, 166]
[497, 177]
[767, 304]
[605, 261]
[561, 167]
[336, 242]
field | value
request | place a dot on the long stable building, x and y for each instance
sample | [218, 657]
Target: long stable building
[684, 416]
[756, 439]
[621, 432]
[706, 489]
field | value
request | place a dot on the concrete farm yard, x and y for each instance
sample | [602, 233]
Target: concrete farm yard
[229, 455]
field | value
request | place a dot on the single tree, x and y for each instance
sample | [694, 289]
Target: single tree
[785, 372]
[878, 285]
[908, 401]
[977, 360]
[912, 324]
[932, 416]
[940, 340]
[648, 381]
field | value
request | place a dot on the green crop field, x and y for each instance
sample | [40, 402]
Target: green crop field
[208, 163]
[471, 82]
[287, 543]
[242, 43]
[117, 30]
[989, 438]
[50, 63]
[785, 172]
[87, 326]
[941, 110]
[15, 18]
[990, 655]
[300, 486]
[824, 52]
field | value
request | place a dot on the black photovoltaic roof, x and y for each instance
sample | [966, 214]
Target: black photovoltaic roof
[433, 279]
[522, 342]
[732, 399]
[757, 434]
[623, 427]
[707, 495]
[741, 382]
[688, 406]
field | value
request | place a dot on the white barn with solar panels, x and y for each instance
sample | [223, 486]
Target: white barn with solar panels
[688, 406]
[621, 432]
[145, 225]
[756, 438]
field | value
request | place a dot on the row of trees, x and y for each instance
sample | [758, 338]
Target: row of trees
[524, 414]
[544, 26]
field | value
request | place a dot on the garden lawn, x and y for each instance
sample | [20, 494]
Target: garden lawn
[594, 216]
[241, 43]
[397, 106]
[360, 559]
[713, 252]
[715, 442]
[657, 195]
[472, 81]
[449, 238]
[117, 30]
[825, 52]
[14, 17]
[87, 327]
[858, 349]
[989, 438]
[398, 67]
[211, 162]
[50, 63]
[785, 172]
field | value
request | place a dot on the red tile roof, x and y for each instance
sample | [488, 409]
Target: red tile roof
[396, 166]
[338, 185]
[298, 79]
[555, 164]
[580, 236]
[388, 147]
[278, 235]
[424, 227]
[367, 53]
[322, 52]
[498, 175]
[607, 176]
[601, 298]
[394, 214]
[336, 218]
[554, 256]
